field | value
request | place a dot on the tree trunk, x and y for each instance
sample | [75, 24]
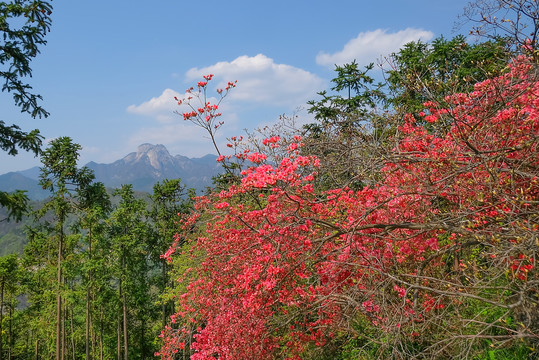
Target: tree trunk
[59, 344]
[119, 357]
[73, 345]
[101, 335]
[87, 335]
[124, 308]
[142, 342]
[10, 331]
[93, 339]
[165, 303]
[64, 331]
[88, 296]
[1, 319]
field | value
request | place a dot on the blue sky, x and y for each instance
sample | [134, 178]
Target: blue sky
[110, 69]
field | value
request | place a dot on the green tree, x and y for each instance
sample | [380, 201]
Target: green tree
[129, 235]
[356, 124]
[15, 203]
[61, 176]
[23, 26]
[349, 130]
[93, 206]
[8, 284]
[361, 94]
[38, 281]
[422, 72]
[168, 201]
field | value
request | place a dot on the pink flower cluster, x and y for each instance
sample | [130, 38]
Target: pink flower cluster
[282, 261]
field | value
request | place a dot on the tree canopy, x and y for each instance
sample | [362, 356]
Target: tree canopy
[23, 26]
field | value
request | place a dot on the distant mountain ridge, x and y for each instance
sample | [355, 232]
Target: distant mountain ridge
[143, 168]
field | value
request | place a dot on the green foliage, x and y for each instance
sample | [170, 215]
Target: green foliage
[12, 137]
[351, 133]
[15, 203]
[167, 202]
[130, 241]
[430, 71]
[110, 260]
[361, 95]
[357, 125]
[23, 26]
[59, 173]
[8, 267]
[8, 292]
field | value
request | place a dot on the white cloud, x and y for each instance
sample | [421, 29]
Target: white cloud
[263, 87]
[166, 134]
[262, 83]
[161, 108]
[262, 80]
[368, 46]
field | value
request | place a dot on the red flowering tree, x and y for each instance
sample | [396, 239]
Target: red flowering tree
[202, 111]
[436, 260]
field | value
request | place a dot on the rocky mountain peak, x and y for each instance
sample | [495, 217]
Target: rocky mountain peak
[143, 168]
[157, 155]
[150, 148]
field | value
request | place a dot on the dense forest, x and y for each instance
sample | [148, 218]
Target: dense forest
[402, 223]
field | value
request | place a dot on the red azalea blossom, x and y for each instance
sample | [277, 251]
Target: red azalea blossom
[285, 267]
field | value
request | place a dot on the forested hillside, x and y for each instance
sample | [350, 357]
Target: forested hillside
[92, 263]
[402, 223]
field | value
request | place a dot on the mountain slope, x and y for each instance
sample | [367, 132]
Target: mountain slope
[143, 168]
[152, 163]
[16, 181]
